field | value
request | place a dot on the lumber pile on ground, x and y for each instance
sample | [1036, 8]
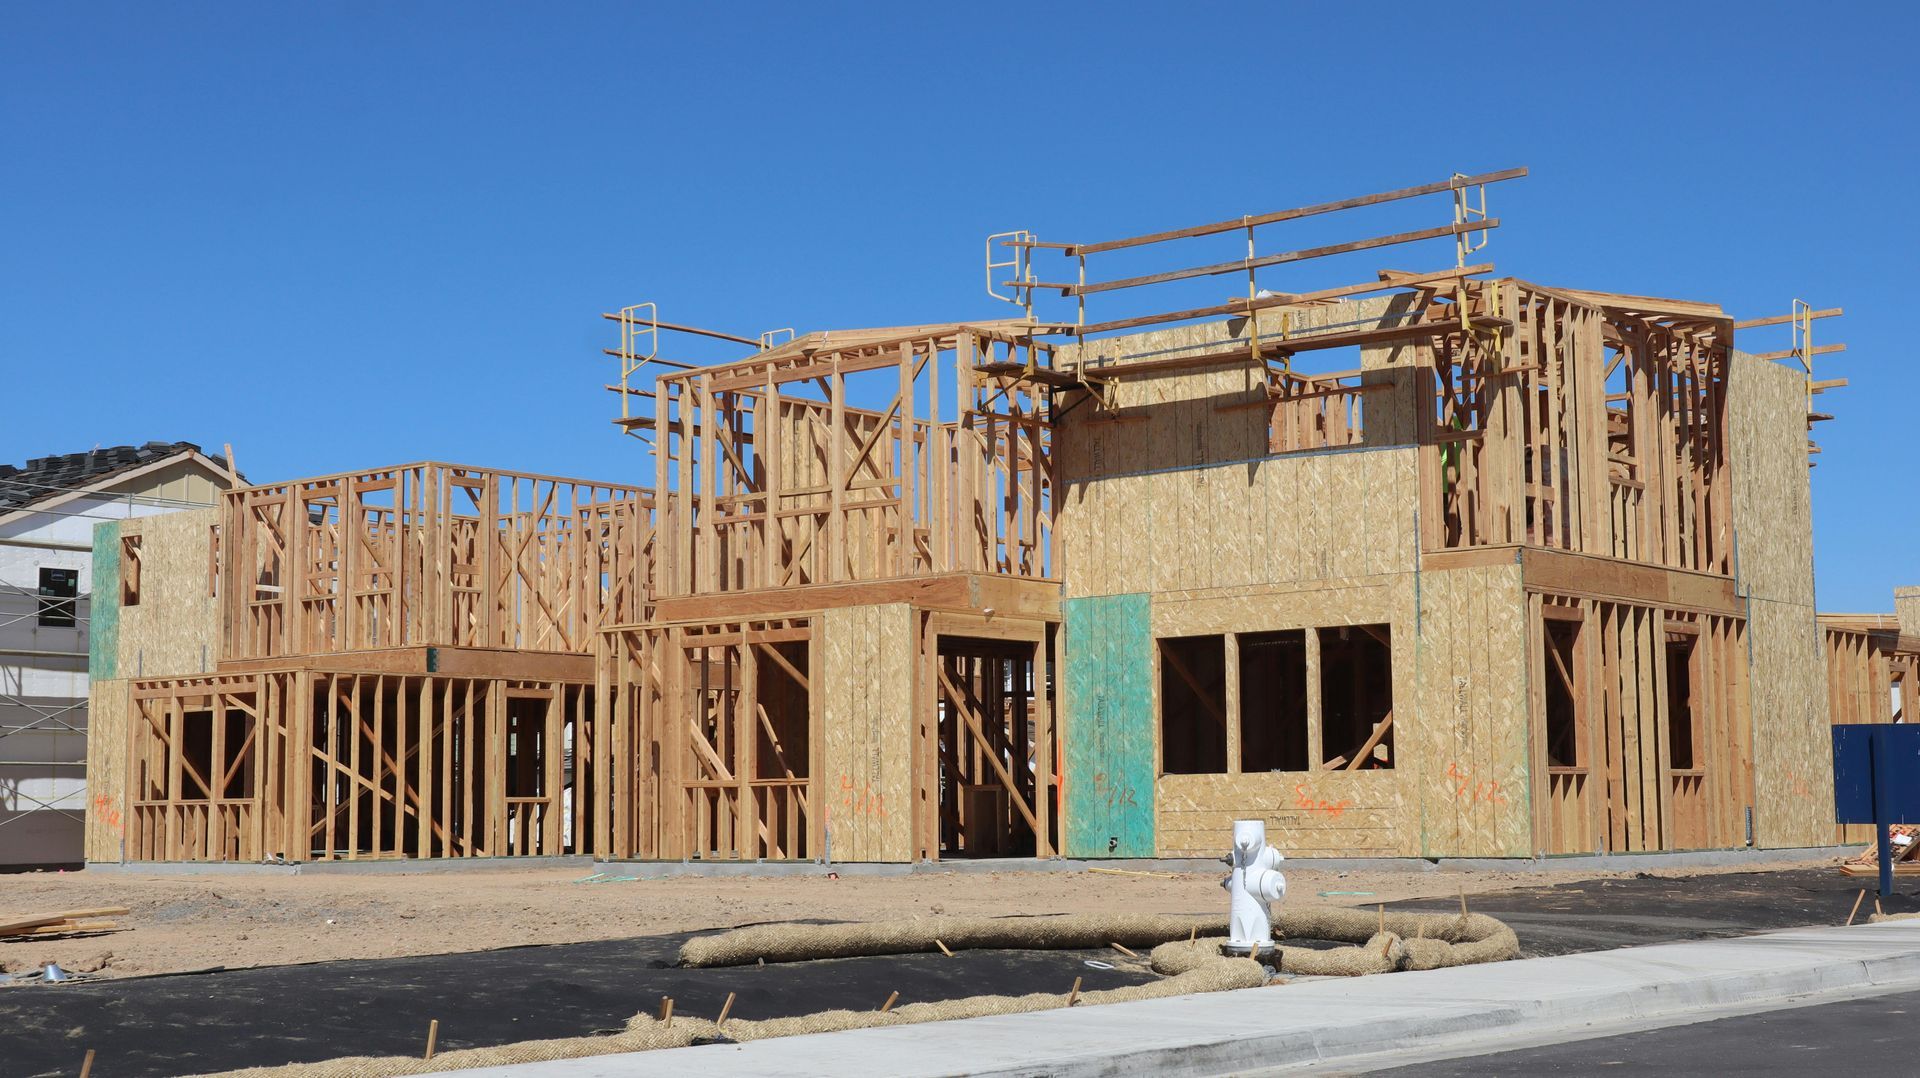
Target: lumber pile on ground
[1906, 854]
[69, 923]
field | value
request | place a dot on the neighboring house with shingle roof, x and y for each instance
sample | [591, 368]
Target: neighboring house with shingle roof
[48, 509]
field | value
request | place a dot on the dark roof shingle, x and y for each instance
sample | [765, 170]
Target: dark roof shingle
[48, 477]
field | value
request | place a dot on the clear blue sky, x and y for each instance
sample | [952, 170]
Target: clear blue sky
[343, 235]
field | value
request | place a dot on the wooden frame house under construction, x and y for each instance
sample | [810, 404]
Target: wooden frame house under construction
[1438, 564]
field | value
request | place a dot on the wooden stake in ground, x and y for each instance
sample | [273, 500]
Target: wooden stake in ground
[944, 951]
[1877, 911]
[1463, 901]
[724, 1009]
[1123, 950]
[1075, 994]
[666, 1010]
[1855, 911]
[433, 1034]
[888, 1005]
[1383, 918]
[86, 1065]
[1191, 933]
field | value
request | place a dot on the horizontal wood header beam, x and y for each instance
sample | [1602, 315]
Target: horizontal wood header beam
[1015, 597]
[509, 664]
[383, 475]
[1561, 572]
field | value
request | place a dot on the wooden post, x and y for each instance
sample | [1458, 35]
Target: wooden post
[745, 741]
[551, 750]
[837, 476]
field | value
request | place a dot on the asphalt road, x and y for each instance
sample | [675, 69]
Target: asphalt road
[1871, 1035]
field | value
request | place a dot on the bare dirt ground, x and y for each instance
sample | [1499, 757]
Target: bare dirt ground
[183, 922]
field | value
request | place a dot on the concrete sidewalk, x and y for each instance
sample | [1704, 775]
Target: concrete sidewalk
[1323, 1020]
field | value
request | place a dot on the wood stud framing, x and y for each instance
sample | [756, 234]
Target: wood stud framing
[831, 623]
[431, 553]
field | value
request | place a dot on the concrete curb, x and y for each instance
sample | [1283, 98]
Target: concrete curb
[1323, 1021]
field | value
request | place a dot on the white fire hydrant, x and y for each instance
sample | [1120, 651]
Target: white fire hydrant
[1255, 881]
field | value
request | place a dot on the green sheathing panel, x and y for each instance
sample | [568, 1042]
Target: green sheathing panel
[103, 609]
[1109, 701]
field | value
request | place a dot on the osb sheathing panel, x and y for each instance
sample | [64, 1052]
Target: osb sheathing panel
[1772, 506]
[1295, 518]
[1906, 607]
[1391, 415]
[1308, 813]
[866, 687]
[1112, 463]
[1472, 731]
[175, 628]
[1773, 562]
[1793, 743]
[106, 825]
[1176, 419]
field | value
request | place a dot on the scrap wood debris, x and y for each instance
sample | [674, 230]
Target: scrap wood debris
[69, 923]
[1906, 854]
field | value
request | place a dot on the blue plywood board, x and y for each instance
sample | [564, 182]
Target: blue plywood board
[1109, 745]
[1858, 762]
[103, 607]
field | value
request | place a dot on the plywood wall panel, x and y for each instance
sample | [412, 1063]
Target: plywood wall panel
[1772, 501]
[1343, 513]
[1308, 814]
[1473, 697]
[1773, 567]
[1906, 607]
[1793, 773]
[106, 823]
[866, 700]
[175, 628]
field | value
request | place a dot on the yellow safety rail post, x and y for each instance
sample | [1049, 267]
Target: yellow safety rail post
[634, 329]
[1020, 243]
